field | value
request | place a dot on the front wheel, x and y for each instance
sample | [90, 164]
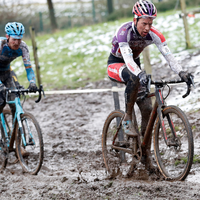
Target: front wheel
[174, 150]
[29, 144]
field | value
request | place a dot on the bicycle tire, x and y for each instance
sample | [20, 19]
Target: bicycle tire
[174, 158]
[32, 161]
[113, 158]
[3, 149]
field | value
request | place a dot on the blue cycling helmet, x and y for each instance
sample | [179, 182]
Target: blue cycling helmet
[15, 30]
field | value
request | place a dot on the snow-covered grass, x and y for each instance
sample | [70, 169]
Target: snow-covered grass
[71, 58]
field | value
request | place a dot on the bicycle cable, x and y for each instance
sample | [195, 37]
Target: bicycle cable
[168, 91]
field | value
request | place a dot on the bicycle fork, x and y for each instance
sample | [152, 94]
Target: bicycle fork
[161, 105]
[30, 141]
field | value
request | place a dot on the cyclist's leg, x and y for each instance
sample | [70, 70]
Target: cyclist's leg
[15, 79]
[145, 107]
[120, 73]
[9, 83]
[3, 78]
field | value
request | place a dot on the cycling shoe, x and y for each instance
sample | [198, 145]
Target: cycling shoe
[129, 129]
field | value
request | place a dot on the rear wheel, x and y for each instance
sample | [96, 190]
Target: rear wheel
[30, 151]
[174, 150]
[117, 162]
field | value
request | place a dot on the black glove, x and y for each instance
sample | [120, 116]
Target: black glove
[185, 76]
[143, 78]
[143, 83]
[20, 87]
[32, 87]
[2, 93]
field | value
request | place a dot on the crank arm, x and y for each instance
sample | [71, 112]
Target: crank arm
[122, 149]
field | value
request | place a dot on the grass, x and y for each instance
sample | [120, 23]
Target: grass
[196, 159]
[72, 58]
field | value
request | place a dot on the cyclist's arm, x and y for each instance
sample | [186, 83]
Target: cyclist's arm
[127, 54]
[161, 43]
[173, 63]
[27, 63]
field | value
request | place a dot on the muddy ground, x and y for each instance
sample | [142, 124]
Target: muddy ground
[73, 166]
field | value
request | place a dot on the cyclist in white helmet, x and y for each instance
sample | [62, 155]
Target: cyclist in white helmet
[124, 64]
[12, 47]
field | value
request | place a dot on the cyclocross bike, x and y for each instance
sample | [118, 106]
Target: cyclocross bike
[172, 138]
[21, 136]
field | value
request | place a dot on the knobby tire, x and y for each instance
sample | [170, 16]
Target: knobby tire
[32, 161]
[175, 159]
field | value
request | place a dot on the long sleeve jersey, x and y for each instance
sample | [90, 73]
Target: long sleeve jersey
[7, 55]
[128, 45]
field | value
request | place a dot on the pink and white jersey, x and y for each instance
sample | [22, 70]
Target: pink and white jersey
[128, 45]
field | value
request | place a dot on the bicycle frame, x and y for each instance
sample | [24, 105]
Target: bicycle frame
[18, 112]
[157, 111]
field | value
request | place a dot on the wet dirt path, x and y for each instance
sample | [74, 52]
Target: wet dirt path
[73, 166]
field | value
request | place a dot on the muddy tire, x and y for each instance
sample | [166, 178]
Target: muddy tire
[31, 154]
[174, 155]
[116, 162]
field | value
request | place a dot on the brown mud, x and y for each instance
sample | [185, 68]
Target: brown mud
[73, 166]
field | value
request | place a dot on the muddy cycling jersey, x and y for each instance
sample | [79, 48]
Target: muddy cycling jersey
[7, 55]
[127, 44]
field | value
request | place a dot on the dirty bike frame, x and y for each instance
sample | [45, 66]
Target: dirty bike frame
[160, 112]
[18, 134]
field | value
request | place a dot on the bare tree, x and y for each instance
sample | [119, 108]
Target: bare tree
[52, 15]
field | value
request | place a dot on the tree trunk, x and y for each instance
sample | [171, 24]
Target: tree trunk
[110, 6]
[52, 15]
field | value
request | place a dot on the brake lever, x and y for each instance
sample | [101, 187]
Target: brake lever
[189, 86]
[40, 90]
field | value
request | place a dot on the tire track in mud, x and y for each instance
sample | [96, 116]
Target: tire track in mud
[73, 166]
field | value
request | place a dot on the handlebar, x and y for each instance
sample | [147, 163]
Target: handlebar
[162, 83]
[22, 91]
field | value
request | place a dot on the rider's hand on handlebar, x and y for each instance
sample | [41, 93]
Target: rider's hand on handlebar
[186, 77]
[143, 78]
[32, 87]
[20, 87]
[143, 90]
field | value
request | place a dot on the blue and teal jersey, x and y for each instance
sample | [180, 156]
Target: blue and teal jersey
[7, 55]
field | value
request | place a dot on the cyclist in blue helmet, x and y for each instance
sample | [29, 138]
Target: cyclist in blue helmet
[12, 47]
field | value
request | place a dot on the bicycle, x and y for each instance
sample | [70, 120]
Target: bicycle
[21, 135]
[172, 139]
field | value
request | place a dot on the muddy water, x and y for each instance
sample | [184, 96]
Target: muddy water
[73, 166]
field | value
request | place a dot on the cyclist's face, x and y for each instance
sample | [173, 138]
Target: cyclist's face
[143, 25]
[13, 43]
